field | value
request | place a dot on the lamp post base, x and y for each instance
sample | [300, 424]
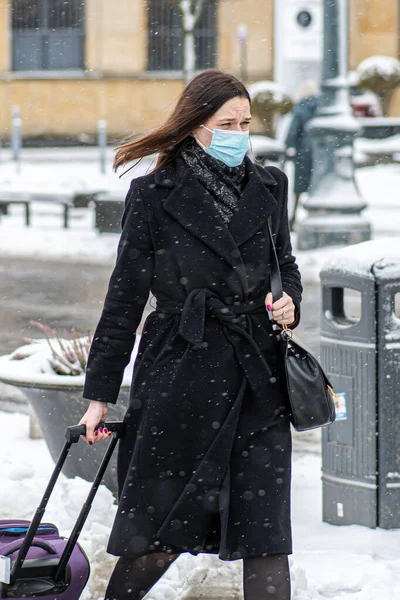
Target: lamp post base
[334, 206]
[322, 230]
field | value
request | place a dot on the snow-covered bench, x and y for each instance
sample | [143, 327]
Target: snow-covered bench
[266, 149]
[67, 200]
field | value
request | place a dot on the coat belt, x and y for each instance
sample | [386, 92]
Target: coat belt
[204, 303]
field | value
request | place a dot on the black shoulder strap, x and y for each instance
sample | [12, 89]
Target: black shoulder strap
[275, 277]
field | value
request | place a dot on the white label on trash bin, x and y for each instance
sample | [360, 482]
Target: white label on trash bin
[340, 406]
[5, 569]
[340, 510]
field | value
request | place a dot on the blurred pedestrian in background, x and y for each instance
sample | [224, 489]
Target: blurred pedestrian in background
[298, 141]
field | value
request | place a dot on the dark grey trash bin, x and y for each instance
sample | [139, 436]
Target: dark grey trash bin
[108, 213]
[361, 353]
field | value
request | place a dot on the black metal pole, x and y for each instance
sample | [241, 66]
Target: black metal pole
[69, 548]
[330, 63]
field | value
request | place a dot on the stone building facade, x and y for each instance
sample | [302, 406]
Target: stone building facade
[67, 68]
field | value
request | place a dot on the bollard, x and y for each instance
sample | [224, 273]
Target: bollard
[35, 432]
[361, 355]
[242, 37]
[102, 141]
[16, 135]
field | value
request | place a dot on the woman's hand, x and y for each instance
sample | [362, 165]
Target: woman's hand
[95, 414]
[283, 310]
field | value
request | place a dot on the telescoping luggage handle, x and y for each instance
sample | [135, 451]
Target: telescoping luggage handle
[72, 436]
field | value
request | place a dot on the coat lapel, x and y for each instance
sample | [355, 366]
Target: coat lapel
[256, 204]
[191, 205]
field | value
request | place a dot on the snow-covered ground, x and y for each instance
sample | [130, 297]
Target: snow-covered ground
[339, 563]
[66, 169]
[59, 171]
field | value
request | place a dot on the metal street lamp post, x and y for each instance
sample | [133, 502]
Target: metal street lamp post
[334, 205]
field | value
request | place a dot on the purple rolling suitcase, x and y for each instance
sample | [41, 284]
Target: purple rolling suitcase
[34, 560]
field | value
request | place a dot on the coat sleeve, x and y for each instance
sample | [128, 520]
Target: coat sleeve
[291, 280]
[125, 301]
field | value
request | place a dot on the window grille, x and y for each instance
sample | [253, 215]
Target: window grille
[47, 34]
[165, 38]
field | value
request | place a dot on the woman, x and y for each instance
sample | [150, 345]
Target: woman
[204, 465]
[298, 141]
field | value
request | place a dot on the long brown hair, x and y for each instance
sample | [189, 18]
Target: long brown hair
[201, 98]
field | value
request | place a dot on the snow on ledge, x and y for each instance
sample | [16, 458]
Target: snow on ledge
[359, 258]
[272, 88]
[344, 122]
[386, 66]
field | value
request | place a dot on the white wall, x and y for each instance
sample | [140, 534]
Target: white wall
[298, 50]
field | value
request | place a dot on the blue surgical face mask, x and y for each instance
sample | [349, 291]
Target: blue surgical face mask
[230, 147]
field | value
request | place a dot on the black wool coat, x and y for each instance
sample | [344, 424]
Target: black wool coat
[205, 462]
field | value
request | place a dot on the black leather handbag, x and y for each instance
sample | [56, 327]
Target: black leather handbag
[311, 397]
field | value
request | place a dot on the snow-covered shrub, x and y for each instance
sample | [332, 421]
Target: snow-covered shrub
[381, 75]
[268, 101]
[68, 355]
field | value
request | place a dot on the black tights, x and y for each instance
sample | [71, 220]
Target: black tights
[264, 578]
[132, 578]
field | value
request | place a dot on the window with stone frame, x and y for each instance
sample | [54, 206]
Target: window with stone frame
[48, 34]
[165, 37]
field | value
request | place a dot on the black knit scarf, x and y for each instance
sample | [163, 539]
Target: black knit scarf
[224, 183]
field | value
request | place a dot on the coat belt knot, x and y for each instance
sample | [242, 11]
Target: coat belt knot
[202, 303]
